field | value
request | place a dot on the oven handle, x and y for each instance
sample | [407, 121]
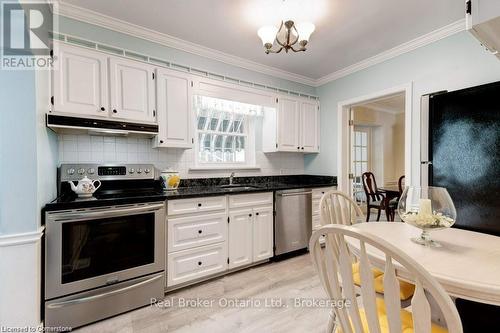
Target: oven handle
[107, 294]
[106, 213]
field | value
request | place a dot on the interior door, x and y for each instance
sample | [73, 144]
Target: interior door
[80, 82]
[240, 238]
[131, 90]
[174, 109]
[262, 233]
[288, 124]
[360, 157]
[309, 127]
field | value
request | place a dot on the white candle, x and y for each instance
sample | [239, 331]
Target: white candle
[425, 207]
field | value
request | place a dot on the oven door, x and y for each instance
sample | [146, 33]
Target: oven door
[95, 247]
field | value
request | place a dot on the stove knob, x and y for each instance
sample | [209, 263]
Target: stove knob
[131, 170]
[139, 170]
[91, 171]
[81, 171]
[147, 170]
[70, 171]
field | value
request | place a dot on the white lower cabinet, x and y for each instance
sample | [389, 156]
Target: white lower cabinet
[193, 264]
[204, 237]
[240, 238]
[317, 194]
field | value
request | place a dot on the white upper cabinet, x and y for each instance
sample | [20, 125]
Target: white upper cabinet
[293, 127]
[288, 124]
[131, 90]
[174, 99]
[262, 233]
[483, 21]
[309, 127]
[80, 82]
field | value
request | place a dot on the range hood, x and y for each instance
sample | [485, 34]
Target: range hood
[78, 125]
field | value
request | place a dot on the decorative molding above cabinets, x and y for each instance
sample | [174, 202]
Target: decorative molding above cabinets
[292, 127]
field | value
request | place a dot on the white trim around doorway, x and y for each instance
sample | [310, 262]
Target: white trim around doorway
[343, 133]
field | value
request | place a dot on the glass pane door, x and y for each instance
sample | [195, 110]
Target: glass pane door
[96, 247]
[360, 152]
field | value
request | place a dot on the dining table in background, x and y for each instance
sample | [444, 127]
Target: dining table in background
[390, 192]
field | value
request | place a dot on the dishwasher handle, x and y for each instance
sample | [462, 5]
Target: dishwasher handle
[293, 194]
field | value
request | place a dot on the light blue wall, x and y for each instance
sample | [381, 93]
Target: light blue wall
[18, 149]
[117, 39]
[449, 64]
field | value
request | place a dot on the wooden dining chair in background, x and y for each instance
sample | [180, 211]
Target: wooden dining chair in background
[374, 198]
[393, 204]
[372, 314]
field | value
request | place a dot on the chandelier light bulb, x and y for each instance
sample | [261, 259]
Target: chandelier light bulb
[267, 34]
[305, 30]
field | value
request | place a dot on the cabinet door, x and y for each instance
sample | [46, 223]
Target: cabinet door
[80, 82]
[288, 124]
[131, 90]
[240, 238]
[173, 93]
[263, 240]
[309, 127]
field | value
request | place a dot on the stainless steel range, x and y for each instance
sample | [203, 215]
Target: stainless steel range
[106, 254]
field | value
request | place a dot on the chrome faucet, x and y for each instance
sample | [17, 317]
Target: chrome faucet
[231, 176]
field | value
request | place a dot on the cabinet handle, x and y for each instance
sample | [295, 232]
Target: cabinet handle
[103, 108]
[199, 231]
[114, 111]
[161, 141]
[199, 205]
[199, 263]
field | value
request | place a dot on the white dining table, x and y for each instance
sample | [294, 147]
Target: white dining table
[467, 264]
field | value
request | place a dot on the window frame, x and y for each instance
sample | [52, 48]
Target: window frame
[249, 134]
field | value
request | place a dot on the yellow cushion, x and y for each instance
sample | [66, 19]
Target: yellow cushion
[406, 289]
[406, 321]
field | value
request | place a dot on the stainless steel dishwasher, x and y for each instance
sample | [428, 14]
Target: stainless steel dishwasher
[292, 228]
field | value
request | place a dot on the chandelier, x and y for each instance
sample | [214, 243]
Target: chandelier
[289, 36]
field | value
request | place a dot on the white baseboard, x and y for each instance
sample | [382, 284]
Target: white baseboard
[20, 280]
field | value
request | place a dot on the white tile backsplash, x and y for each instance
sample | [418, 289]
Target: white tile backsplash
[108, 149]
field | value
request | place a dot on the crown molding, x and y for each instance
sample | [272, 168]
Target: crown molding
[423, 40]
[108, 22]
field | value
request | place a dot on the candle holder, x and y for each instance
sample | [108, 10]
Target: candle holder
[427, 208]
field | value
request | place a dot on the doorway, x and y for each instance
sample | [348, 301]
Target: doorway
[375, 137]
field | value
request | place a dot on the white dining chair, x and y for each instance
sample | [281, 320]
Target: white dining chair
[376, 315]
[337, 207]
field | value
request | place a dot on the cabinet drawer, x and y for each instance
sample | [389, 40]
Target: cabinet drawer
[192, 231]
[317, 193]
[250, 200]
[316, 222]
[187, 265]
[204, 204]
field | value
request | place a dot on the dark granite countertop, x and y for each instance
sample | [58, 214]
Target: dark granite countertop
[192, 188]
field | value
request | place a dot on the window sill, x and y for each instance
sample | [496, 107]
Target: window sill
[223, 168]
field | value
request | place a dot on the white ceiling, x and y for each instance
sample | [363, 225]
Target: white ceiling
[347, 32]
[393, 104]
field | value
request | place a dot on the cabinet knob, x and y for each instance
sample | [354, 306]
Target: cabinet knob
[114, 111]
[256, 213]
[199, 263]
[103, 108]
[199, 205]
[199, 231]
[302, 148]
[298, 147]
[161, 141]
[250, 215]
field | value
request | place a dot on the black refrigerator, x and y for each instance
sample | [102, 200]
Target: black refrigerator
[464, 153]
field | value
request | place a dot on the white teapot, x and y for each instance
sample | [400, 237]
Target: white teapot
[85, 187]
